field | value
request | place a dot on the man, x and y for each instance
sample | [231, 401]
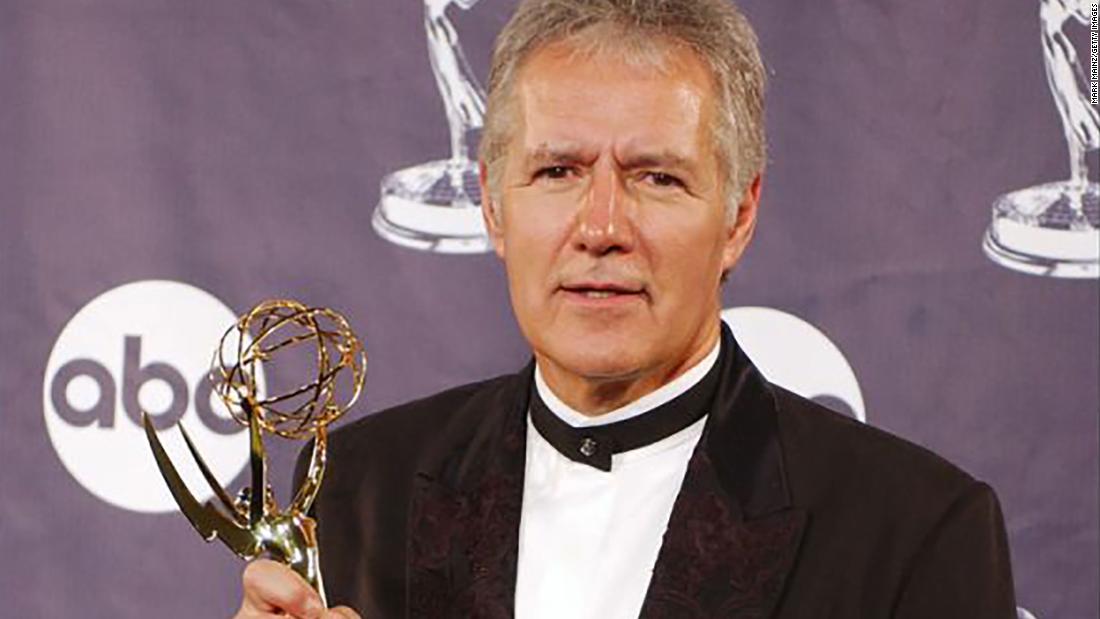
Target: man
[641, 466]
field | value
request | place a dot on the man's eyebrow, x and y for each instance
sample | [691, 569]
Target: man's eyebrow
[545, 153]
[661, 159]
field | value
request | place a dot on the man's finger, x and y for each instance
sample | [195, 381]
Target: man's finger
[273, 587]
[341, 612]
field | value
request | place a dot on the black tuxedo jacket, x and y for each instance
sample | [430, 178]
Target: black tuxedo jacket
[787, 510]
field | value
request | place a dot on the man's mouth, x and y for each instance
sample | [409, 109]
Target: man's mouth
[599, 294]
[598, 291]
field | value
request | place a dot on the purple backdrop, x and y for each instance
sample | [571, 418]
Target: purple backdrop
[238, 147]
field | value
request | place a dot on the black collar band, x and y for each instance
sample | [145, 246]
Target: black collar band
[594, 445]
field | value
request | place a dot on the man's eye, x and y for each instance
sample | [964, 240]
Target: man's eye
[662, 179]
[554, 172]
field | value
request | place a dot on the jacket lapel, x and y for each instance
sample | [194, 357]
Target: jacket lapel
[463, 536]
[733, 535]
[713, 564]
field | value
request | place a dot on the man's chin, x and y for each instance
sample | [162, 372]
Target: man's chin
[603, 366]
[595, 352]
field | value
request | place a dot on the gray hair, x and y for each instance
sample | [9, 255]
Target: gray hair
[643, 30]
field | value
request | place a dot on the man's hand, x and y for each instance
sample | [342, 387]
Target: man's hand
[272, 589]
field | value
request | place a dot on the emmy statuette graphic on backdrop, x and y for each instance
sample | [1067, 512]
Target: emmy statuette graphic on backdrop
[252, 525]
[434, 206]
[1053, 229]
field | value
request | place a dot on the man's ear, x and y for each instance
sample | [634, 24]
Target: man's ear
[739, 231]
[490, 211]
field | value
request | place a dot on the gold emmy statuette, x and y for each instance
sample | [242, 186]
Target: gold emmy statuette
[252, 525]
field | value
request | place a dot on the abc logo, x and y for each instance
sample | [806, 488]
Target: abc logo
[144, 346]
[795, 355]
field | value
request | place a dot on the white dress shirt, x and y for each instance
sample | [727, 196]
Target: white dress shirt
[588, 539]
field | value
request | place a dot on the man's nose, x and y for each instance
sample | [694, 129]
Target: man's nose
[605, 221]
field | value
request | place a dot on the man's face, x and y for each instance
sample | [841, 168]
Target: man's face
[612, 222]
